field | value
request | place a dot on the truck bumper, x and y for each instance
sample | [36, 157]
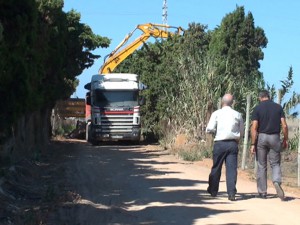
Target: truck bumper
[135, 135]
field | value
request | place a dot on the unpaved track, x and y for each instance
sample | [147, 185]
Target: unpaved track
[123, 184]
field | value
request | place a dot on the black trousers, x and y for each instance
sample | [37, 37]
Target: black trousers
[227, 151]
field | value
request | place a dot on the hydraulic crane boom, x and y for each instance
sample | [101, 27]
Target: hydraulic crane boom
[149, 30]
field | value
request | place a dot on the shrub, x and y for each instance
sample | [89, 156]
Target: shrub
[294, 142]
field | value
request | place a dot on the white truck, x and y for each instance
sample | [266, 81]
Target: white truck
[113, 108]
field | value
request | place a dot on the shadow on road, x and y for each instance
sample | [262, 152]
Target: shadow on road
[125, 184]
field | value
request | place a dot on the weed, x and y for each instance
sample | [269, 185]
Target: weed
[64, 128]
[194, 153]
[294, 142]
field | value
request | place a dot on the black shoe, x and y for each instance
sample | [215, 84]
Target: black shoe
[261, 195]
[231, 197]
[279, 191]
[212, 194]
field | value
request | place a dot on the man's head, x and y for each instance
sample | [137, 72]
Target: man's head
[227, 100]
[264, 95]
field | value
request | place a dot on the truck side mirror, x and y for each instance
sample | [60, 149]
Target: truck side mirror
[88, 98]
[142, 100]
[142, 86]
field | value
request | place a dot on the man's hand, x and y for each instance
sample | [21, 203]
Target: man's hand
[284, 144]
[253, 149]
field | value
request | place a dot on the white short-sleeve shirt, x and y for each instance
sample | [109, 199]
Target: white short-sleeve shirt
[226, 123]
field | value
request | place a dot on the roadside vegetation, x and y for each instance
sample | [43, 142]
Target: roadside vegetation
[188, 74]
[44, 49]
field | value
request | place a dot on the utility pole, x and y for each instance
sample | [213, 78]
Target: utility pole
[165, 13]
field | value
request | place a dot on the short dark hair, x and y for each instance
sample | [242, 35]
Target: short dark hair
[264, 94]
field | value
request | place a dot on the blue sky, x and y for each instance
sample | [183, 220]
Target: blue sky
[116, 18]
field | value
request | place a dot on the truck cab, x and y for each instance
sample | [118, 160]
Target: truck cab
[113, 108]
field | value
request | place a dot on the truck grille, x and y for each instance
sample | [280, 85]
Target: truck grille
[116, 123]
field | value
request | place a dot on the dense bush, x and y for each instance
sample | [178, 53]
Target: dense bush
[187, 75]
[42, 50]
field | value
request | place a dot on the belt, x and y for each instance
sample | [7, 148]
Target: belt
[226, 140]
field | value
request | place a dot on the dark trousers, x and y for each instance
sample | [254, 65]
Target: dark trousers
[224, 151]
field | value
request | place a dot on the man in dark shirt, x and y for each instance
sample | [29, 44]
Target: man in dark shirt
[267, 120]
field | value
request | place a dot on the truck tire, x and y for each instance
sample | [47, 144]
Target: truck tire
[88, 134]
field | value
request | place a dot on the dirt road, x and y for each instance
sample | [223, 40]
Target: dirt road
[122, 184]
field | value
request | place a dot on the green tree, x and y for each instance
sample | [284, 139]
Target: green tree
[186, 76]
[186, 98]
[236, 47]
[42, 50]
[170, 69]
[68, 46]
[19, 59]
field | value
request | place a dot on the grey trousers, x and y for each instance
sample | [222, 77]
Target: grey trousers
[268, 145]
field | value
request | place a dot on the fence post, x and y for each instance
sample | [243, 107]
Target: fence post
[299, 153]
[279, 97]
[245, 145]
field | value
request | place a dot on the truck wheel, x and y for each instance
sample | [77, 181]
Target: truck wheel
[95, 143]
[88, 134]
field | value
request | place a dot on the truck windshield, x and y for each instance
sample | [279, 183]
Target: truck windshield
[106, 98]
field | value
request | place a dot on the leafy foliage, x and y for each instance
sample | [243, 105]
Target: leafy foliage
[42, 50]
[236, 46]
[17, 51]
[294, 142]
[187, 75]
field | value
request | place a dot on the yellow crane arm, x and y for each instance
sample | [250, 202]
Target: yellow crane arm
[149, 30]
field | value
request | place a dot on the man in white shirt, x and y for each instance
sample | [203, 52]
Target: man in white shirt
[228, 126]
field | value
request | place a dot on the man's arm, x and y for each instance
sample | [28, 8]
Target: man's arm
[254, 128]
[212, 124]
[285, 132]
